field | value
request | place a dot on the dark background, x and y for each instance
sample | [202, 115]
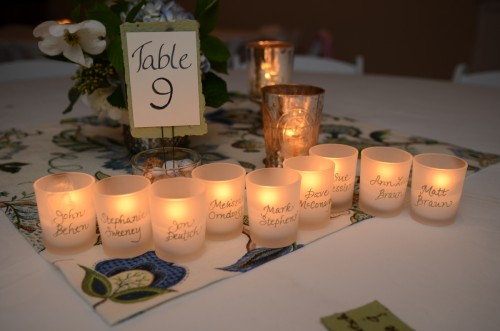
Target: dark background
[422, 38]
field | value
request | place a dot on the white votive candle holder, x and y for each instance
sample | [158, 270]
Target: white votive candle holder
[436, 187]
[122, 208]
[178, 216]
[315, 188]
[383, 180]
[225, 198]
[273, 206]
[66, 212]
[345, 158]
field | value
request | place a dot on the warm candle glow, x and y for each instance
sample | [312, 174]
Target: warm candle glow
[66, 212]
[383, 180]
[316, 186]
[177, 211]
[441, 180]
[179, 218]
[345, 158]
[223, 191]
[123, 215]
[436, 187]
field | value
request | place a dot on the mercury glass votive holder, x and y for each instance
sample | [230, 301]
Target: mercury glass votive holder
[178, 216]
[345, 158]
[273, 196]
[383, 180]
[225, 198]
[436, 188]
[165, 162]
[315, 188]
[66, 212]
[122, 208]
[291, 117]
[269, 63]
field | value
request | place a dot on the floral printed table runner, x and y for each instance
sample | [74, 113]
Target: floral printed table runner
[118, 289]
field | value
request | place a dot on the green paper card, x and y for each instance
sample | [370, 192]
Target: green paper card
[162, 71]
[371, 317]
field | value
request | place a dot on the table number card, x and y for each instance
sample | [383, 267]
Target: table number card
[162, 71]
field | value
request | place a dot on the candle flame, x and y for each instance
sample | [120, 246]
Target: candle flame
[441, 180]
[222, 192]
[64, 21]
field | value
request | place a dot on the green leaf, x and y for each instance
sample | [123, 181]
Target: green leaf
[102, 13]
[119, 6]
[138, 294]
[133, 12]
[95, 284]
[117, 99]
[115, 55]
[214, 49]
[75, 14]
[73, 95]
[207, 14]
[215, 90]
[220, 67]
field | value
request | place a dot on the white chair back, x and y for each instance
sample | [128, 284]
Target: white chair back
[485, 78]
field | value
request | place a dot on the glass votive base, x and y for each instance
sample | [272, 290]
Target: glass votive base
[178, 217]
[383, 180]
[315, 189]
[345, 158]
[225, 198]
[66, 212]
[165, 162]
[436, 188]
[273, 206]
[122, 208]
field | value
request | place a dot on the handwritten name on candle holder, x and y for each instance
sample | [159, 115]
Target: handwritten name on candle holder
[226, 210]
[117, 223]
[435, 197]
[346, 183]
[183, 230]
[276, 216]
[63, 229]
[311, 199]
[400, 182]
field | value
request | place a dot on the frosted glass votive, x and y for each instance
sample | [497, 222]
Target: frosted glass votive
[178, 216]
[383, 180]
[225, 198]
[273, 206]
[66, 212]
[122, 208]
[436, 187]
[315, 188]
[345, 158]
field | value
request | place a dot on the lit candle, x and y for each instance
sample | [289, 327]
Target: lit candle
[269, 63]
[436, 187]
[178, 215]
[66, 212]
[225, 198]
[273, 206]
[315, 188]
[383, 180]
[345, 158]
[122, 208]
[291, 117]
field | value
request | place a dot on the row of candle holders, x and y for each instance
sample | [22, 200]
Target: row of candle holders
[174, 215]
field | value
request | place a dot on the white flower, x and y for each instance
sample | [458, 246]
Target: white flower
[98, 102]
[72, 40]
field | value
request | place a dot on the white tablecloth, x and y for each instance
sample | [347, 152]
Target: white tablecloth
[433, 278]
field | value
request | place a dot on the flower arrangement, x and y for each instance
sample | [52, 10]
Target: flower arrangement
[92, 40]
